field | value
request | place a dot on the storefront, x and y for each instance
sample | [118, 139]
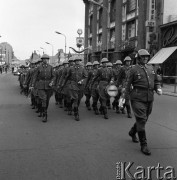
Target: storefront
[167, 55]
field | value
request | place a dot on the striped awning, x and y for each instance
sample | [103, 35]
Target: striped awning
[162, 55]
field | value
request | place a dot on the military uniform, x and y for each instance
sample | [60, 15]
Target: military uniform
[46, 77]
[144, 81]
[104, 76]
[75, 76]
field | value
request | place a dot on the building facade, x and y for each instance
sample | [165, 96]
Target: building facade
[117, 28]
[6, 53]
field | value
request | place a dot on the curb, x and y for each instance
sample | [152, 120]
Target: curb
[170, 94]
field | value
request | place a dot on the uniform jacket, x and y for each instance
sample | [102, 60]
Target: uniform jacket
[75, 74]
[45, 75]
[144, 81]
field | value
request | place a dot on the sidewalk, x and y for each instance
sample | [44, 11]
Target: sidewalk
[168, 89]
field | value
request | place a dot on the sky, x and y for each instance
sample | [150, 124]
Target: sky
[27, 24]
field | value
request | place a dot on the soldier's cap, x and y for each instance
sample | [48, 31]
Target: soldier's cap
[104, 60]
[127, 58]
[45, 56]
[65, 62]
[118, 62]
[71, 59]
[143, 52]
[109, 64]
[96, 63]
[60, 64]
[77, 58]
[88, 64]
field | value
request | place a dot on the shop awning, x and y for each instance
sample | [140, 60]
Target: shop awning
[162, 55]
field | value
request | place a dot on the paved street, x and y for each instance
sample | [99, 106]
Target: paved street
[63, 149]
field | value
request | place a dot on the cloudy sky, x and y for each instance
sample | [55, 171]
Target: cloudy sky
[28, 24]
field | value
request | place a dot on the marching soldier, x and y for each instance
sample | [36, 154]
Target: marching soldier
[64, 89]
[121, 81]
[144, 81]
[104, 77]
[87, 89]
[76, 76]
[93, 86]
[116, 72]
[46, 76]
[58, 77]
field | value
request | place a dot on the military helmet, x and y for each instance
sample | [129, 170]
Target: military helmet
[118, 62]
[88, 64]
[65, 62]
[60, 64]
[109, 64]
[96, 63]
[71, 59]
[45, 56]
[104, 60]
[143, 52]
[77, 58]
[127, 58]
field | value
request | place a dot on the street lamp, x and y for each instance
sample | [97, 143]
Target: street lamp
[52, 47]
[96, 3]
[65, 40]
[42, 49]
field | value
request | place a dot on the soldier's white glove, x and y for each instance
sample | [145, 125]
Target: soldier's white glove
[159, 91]
[50, 84]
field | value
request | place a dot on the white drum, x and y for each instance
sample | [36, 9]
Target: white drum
[112, 90]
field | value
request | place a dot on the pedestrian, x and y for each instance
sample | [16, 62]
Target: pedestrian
[46, 77]
[144, 81]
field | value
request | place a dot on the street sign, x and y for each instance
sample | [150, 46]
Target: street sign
[80, 41]
[150, 23]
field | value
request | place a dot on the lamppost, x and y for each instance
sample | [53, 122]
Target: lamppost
[42, 49]
[52, 47]
[96, 3]
[65, 40]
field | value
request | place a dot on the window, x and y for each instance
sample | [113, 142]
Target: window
[100, 18]
[91, 22]
[112, 10]
[131, 29]
[123, 12]
[112, 35]
[131, 5]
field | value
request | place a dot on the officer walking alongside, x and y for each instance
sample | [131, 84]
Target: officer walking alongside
[46, 76]
[144, 81]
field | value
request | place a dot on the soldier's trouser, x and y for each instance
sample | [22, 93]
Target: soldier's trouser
[45, 95]
[95, 98]
[127, 105]
[141, 110]
[87, 101]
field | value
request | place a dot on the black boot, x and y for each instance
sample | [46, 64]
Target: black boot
[143, 142]
[44, 115]
[132, 134]
[129, 115]
[105, 113]
[113, 105]
[69, 109]
[101, 110]
[76, 114]
[96, 110]
[117, 108]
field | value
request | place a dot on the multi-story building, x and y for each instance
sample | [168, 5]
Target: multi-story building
[6, 53]
[117, 28]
